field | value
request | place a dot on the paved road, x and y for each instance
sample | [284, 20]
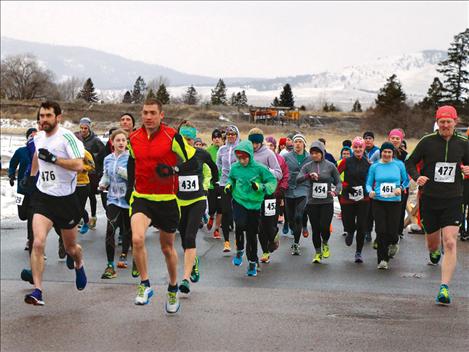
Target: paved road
[291, 305]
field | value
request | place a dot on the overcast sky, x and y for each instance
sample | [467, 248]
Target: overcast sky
[227, 39]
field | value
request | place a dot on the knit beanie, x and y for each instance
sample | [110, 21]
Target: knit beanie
[85, 121]
[386, 145]
[271, 140]
[299, 136]
[256, 135]
[368, 134]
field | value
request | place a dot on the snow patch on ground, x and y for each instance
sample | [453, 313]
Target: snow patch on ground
[8, 199]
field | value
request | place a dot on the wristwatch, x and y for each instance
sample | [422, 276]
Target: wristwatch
[53, 159]
[176, 169]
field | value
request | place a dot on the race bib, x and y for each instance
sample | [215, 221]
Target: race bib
[117, 190]
[188, 183]
[358, 194]
[386, 190]
[270, 206]
[445, 172]
[320, 190]
[47, 178]
[19, 198]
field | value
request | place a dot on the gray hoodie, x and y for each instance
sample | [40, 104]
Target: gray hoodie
[319, 191]
[295, 190]
[267, 157]
[226, 157]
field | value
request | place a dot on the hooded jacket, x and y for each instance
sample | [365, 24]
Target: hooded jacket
[295, 190]
[283, 183]
[267, 157]
[96, 147]
[240, 178]
[115, 177]
[226, 157]
[328, 176]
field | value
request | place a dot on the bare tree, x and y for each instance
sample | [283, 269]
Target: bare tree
[155, 83]
[23, 78]
[69, 88]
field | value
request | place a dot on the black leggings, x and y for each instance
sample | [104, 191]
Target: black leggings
[246, 220]
[117, 217]
[214, 201]
[295, 209]
[404, 197]
[82, 192]
[386, 216]
[268, 225]
[190, 221]
[227, 217]
[355, 217]
[320, 216]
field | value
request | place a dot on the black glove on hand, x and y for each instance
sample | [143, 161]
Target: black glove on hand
[28, 183]
[46, 155]
[12, 180]
[254, 186]
[164, 170]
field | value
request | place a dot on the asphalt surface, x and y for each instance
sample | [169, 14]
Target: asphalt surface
[292, 305]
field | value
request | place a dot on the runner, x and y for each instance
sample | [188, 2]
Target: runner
[114, 180]
[345, 152]
[225, 158]
[328, 156]
[370, 150]
[83, 189]
[464, 231]
[440, 178]
[192, 201]
[249, 182]
[153, 184]
[354, 200]
[387, 179]
[289, 145]
[295, 196]
[58, 158]
[215, 191]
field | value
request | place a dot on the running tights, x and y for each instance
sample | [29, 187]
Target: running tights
[320, 216]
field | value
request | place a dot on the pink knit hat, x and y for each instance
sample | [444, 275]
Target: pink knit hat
[358, 141]
[396, 132]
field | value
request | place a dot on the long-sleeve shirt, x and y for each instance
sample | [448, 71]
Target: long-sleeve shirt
[22, 159]
[384, 178]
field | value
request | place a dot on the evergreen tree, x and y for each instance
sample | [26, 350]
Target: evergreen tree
[455, 70]
[357, 107]
[191, 97]
[435, 96]
[138, 93]
[162, 94]
[127, 98]
[276, 102]
[239, 99]
[218, 96]
[286, 97]
[87, 93]
[151, 94]
[325, 108]
[391, 98]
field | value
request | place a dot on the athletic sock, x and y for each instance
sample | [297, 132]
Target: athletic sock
[111, 263]
[173, 288]
[145, 283]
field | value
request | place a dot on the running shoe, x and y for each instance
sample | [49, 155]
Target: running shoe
[210, 224]
[305, 232]
[295, 247]
[273, 246]
[34, 298]
[368, 236]
[195, 273]
[435, 257]
[443, 296]
[70, 262]
[122, 263]
[285, 229]
[62, 252]
[238, 258]
[135, 272]
[226, 247]
[349, 239]
[80, 278]
[393, 249]
[27, 275]
[216, 234]
[358, 258]
[317, 258]
[144, 293]
[265, 258]
[26, 247]
[205, 218]
[184, 288]
[325, 250]
[80, 224]
[375, 244]
[383, 265]
[109, 273]
[252, 269]
[92, 223]
[465, 236]
[172, 303]
[84, 229]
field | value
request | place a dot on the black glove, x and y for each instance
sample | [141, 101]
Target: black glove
[12, 180]
[46, 155]
[28, 183]
[164, 170]
[254, 186]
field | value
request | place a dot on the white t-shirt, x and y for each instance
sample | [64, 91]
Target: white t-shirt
[54, 180]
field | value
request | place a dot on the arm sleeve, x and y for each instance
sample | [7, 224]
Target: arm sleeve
[404, 176]
[88, 164]
[104, 181]
[207, 176]
[303, 175]
[75, 148]
[130, 172]
[14, 161]
[269, 181]
[337, 180]
[274, 166]
[413, 160]
[370, 179]
[212, 166]
[182, 148]
[342, 165]
[286, 175]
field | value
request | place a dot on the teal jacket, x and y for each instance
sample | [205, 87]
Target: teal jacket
[240, 178]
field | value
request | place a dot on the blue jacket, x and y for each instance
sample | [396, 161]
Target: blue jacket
[22, 158]
[115, 178]
[383, 177]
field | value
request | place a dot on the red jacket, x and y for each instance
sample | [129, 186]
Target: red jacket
[282, 185]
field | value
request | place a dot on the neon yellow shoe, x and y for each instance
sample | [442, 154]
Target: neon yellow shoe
[317, 258]
[325, 250]
[265, 258]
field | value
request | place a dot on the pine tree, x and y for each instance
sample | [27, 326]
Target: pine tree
[286, 97]
[138, 93]
[127, 98]
[276, 102]
[325, 108]
[357, 107]
[162, 94]
[151, 94]
[435, 96]
[455, 70]
[87, 93]
[391, 97]
[239, 99]
[234, 99]
[218, 96]
[243, 99]
[191, 97]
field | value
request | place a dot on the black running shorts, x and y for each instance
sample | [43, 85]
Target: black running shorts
[64, 211]
[163, 215]
[437, 213]
[214, 200]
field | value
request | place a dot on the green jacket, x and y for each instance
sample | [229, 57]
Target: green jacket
[240, 179]
[213, 150]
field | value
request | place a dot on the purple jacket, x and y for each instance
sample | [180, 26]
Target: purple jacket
[225, 158]
[265, 156]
